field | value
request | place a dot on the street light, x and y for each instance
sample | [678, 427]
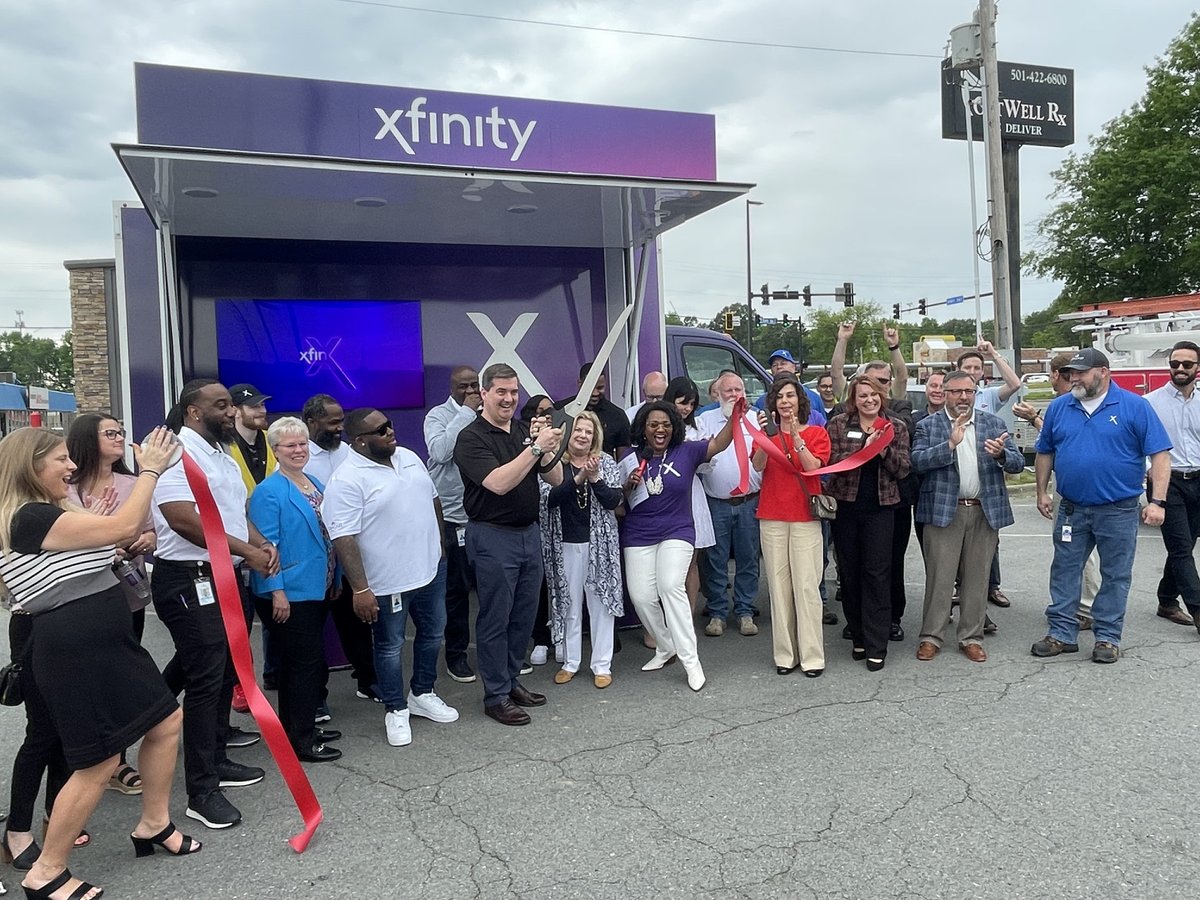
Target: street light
[749, 279]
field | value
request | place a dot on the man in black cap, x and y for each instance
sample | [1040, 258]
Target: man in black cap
[249, 446]
[1096, 440]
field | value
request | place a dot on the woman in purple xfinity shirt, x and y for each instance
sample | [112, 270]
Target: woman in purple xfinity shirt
[659, 533]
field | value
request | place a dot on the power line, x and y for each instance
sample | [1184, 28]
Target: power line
[633, 32]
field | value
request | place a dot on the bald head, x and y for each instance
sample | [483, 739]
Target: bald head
[654, 385]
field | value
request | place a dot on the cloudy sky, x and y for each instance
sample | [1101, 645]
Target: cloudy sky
[845, 148]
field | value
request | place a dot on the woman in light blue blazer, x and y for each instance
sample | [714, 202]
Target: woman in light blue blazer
[285, 508]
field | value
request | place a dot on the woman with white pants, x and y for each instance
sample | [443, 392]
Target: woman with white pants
[581, 551]
[659, 533]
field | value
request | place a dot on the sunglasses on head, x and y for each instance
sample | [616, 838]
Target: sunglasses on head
[1183, 363]
[381, 431]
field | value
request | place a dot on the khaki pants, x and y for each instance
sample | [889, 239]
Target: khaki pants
[964, 548]
[792, 559]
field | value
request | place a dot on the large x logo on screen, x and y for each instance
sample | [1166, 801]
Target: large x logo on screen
[319, 356]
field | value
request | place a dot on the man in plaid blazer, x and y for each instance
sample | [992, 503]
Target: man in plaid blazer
[962, 454]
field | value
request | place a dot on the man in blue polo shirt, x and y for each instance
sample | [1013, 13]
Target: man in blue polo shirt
[1096, 441]
[783, 363]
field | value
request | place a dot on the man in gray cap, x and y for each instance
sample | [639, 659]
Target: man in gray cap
[1096, 440]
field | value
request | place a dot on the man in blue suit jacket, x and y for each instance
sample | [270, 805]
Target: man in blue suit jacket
[962, 454]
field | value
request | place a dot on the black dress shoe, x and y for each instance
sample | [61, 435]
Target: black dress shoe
[897, 633]
[784, 670]
[829, 617]
[846, 635]
[522, 696]
[319, 753]
[507, 713]
[325, 735]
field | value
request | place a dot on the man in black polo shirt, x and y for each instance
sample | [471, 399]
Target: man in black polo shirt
[616, 423]
[499, 462]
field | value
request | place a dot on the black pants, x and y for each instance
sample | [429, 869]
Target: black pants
[1180, 529]
[201, 668]
[41, 752]
[541, 624]
[901, 529]
[862, 538]
[302, 672]
[460, 578]
[355, 637]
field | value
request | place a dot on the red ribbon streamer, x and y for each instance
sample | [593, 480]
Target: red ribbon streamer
[230, 599]
[858, 458]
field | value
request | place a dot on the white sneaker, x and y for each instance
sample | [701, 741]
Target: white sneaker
[399, 734]
[539, 654]
[696, 677]
[431, 706]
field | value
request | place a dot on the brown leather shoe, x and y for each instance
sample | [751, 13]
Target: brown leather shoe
[973, 652]
[1175, 614]
[507, 713]
[521, 696]
[927, 650]
[997, 597]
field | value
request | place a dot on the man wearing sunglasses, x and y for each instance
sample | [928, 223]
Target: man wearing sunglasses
[1096, 440]
[385, 521]
[1179, 410]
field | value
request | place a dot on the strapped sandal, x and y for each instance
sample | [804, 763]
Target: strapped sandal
[44, 892]
[145, 846]
[126, 780]
[81, 841]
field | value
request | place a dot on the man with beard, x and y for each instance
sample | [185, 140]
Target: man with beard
[1096, 441]
[962, 454]
[442, 425]
[384, 518]
[500, 461]
[1178, 409]
[249, 446]
[612, 417]
[185, 599]
[324, 418]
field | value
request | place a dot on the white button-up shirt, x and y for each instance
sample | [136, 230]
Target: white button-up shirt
[228, 490]
[323, 463]
[1180, 415]
[389, 508]
[966, 458]
[723, 474]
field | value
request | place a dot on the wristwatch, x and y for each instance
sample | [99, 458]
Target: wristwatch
[536, 450]
[1162, 503]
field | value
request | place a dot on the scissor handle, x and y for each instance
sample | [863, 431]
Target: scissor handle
[560, 419]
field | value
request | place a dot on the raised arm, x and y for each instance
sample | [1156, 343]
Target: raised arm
[837, 364]
[1012, 381]
[891, 337]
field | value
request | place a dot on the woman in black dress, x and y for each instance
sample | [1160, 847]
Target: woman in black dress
[57, 564]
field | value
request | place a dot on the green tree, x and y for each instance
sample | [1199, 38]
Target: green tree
[1128, 224]
[38, 361]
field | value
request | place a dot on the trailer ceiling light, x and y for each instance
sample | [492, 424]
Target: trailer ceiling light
[201, 193]
[523, 209]
[370, 202]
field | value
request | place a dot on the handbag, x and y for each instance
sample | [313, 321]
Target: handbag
[10, 685]
[822, 506]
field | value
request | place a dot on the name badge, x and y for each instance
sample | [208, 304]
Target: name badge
[396, 603]
[857, 435]
[204, 592]
[461, 533]
[1066, 534]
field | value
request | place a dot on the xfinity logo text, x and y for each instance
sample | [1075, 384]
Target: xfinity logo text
[448, 128]
[319, 357]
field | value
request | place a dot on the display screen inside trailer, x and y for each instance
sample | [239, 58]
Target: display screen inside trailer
[361, 352]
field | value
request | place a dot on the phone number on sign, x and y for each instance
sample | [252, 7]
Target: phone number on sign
[1040, 76]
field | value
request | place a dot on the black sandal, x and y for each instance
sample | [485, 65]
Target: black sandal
[126, 780]
[145, 846]
[44, 892]
[22, 861]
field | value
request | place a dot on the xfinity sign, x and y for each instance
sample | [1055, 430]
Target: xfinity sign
[421, 125]
[1037, 105]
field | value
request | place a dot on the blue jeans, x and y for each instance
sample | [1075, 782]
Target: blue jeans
[1110, 528]
[736, 528]
[427, 606]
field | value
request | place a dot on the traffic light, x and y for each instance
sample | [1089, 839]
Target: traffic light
[921, 306]
[848, 287]
[896, 311]
[785, 318]
[807, 295]
[766, 295]
[757, 319]
[729, 321]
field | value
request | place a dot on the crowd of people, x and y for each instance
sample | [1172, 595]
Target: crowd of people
[326, 516]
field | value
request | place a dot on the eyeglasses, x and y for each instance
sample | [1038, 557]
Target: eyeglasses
[113, 433]
[291, 446]
[961, 391]
[381, 431]
[1177, 363]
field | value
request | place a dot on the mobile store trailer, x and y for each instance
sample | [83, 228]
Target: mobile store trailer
[360, 240]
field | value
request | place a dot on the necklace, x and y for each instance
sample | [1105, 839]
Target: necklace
[655, 485]
[581, 490]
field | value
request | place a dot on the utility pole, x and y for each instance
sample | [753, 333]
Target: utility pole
[998, 208]
[749, 284]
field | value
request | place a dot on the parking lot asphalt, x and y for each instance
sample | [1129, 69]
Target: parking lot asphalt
[1016, 778]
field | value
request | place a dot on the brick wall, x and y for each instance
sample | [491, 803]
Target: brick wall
[89, 329]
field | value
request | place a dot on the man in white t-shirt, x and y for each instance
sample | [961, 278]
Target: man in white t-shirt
[384, 518]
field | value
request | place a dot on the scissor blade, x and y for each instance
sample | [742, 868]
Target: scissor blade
[579, 404]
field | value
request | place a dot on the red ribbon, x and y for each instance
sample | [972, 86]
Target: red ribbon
[859, 457]
[230, 599]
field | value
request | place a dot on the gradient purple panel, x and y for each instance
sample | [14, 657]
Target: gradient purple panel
[139, 269]
[183, 107]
